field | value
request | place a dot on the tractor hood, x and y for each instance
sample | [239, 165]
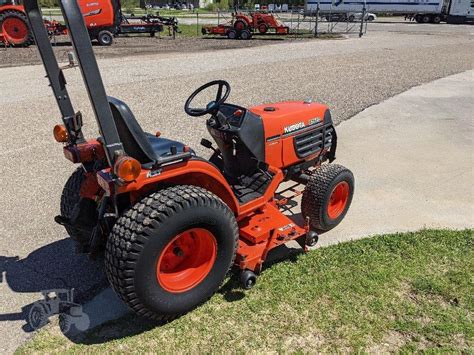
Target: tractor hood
[287, 118]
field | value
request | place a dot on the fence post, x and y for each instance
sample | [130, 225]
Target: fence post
[218, 16]
[291, 19]
[361, 32]
[197, 23]
[298, 26]
[317, 21]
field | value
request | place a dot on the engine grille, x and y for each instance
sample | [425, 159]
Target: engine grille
[312, 142]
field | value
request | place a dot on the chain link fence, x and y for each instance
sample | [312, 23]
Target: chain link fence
[301, 24]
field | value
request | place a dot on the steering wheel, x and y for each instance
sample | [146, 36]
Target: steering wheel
[212, 106]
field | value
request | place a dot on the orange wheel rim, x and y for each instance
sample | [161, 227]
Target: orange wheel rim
[338, 200]
[15, 30]
[186, 260]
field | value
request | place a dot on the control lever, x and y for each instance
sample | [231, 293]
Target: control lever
[208, 144]
[263, 167]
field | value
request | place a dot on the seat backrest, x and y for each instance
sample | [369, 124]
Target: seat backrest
[134, 140]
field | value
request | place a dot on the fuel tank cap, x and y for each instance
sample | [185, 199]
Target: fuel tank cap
[269, 109]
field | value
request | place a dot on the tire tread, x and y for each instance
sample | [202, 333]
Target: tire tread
[132, 231]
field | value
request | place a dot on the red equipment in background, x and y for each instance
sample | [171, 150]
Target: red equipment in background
[14, 29]
[104, 19]
[244, 25]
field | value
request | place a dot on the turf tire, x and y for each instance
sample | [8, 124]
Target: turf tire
[139, 237]
[317, 194]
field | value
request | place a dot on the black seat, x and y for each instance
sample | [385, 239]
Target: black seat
[162, 146]
[144, 147]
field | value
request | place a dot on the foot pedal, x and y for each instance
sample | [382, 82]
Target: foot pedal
[63, 221]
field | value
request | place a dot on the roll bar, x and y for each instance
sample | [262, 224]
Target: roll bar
[90, 73]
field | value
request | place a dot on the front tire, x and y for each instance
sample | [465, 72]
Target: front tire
[171, 251]
[105, 38]
[327, 196]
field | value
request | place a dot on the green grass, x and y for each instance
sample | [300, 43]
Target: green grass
[189, 30]
[402, 292]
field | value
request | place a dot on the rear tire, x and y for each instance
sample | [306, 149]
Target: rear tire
[327, 196]
[425, 18]
[143, 251]
[14, 25]
[105, 38]
[436, 19]
[240, 25]
[69, 198]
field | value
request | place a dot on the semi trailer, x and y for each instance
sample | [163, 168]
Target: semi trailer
[424, 11]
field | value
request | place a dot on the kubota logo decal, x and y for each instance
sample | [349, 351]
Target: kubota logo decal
[293, 127]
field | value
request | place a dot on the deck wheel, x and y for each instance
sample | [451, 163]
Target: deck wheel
[248, 279]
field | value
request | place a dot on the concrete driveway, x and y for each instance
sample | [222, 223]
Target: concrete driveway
[350, 75]
[413, 160]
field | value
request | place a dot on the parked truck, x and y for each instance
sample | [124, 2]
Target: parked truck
[423, 11]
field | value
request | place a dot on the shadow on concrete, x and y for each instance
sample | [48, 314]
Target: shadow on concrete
[54, 266]
[57, 266]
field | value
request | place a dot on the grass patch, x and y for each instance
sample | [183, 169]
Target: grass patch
[189, 30]
[405, 292]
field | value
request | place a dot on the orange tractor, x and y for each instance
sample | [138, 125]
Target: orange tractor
[169, 222]
[243, 26]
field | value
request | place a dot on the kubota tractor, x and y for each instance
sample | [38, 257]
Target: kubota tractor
[171, 223]
[244, 25]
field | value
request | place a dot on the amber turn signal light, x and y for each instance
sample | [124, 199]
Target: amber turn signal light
[60, 133]
[127, 168]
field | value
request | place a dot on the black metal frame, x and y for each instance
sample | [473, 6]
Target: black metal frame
[90, 74]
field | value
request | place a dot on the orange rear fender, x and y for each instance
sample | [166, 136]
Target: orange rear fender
[192, 172]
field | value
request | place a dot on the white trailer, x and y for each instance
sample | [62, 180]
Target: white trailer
[455, 11]
[460, 11]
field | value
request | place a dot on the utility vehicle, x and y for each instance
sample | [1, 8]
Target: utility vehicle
[171, 223]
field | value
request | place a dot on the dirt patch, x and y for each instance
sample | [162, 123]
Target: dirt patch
[131, 46]
[390, 342]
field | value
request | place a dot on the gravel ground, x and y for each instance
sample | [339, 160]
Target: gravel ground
[132, 46]
[348, 75]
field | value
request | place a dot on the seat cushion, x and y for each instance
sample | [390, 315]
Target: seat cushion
[162, 146]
